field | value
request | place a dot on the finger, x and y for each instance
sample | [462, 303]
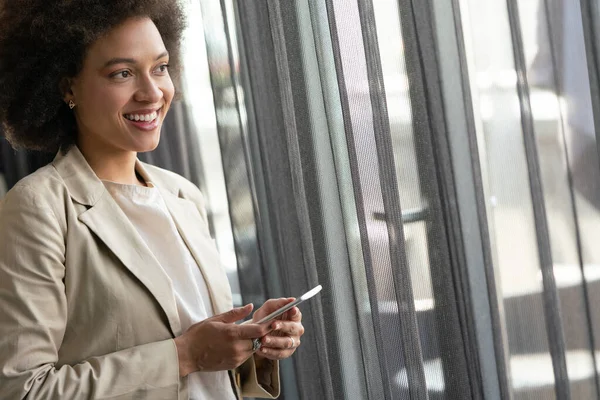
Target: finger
[235, 314]
[293, 315]
[274, 304]
[289, 328]
[273, 354]
[280, 342]
[252, 331]
[296, 315]
[250, 347]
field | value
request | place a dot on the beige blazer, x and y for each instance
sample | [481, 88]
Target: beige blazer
[85, 309]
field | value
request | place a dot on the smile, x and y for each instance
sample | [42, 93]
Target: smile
[145, 122]
[144, 117]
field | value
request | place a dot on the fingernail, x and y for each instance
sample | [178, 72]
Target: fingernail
[263, 350]
[267, 340]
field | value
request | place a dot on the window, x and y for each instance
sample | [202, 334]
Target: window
[434, 165]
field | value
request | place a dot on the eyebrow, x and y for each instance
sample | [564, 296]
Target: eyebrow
[120, 60]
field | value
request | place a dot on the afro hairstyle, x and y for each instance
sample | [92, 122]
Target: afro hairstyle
[43, 42]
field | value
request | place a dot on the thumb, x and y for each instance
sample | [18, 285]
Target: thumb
[234, 314]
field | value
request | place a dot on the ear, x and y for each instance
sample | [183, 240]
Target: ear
[66, 88]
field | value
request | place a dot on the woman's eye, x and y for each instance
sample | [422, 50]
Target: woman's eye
[121, 74]
[163, 68]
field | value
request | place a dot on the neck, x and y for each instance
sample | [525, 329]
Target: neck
[111, 164]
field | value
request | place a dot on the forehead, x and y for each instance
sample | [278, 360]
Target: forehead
[136, 38]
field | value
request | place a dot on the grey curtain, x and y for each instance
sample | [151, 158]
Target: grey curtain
[393, 215]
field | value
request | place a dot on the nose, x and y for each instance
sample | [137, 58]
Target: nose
[148, 90]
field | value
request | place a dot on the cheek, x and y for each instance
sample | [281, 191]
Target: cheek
[102, 101]
[169, 91]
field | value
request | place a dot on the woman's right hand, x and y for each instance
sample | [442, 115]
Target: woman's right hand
[217, 343]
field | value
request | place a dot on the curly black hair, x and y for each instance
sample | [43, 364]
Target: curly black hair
[43, 42]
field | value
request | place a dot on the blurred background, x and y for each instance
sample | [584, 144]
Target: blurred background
[433, 164]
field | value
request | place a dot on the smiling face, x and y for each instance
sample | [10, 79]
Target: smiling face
[123, 91]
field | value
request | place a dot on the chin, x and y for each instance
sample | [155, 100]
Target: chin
[147, 144]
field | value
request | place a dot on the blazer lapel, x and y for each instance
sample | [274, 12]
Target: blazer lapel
[111, 225]
[106, 219]
[197, 238]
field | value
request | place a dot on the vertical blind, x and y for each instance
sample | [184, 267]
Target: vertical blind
[433, 164]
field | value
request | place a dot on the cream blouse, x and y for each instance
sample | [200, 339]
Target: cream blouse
[147, 211]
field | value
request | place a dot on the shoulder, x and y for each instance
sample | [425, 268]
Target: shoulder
[43, 188]
[37, 200]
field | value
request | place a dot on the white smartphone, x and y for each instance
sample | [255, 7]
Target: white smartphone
[288, 306]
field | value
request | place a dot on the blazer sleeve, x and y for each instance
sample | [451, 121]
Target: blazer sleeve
[260, 382]
[33, 317]
[256, 382]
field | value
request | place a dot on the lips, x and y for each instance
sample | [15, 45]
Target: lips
[145, 120]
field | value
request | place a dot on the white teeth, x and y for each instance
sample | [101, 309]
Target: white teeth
[143, 118]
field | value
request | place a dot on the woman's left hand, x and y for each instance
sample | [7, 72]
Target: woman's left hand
[285, 339]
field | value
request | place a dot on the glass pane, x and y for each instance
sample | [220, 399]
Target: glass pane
[543, 37]
[354, 367]
[391, 49]
[199, 101]
[508, 197]
[231, 117]
[428, 259]
[584, 162]
[385, 312]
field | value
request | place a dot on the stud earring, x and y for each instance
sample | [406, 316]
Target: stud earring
[71, 104]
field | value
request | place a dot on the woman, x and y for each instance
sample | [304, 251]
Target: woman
[110, 285]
